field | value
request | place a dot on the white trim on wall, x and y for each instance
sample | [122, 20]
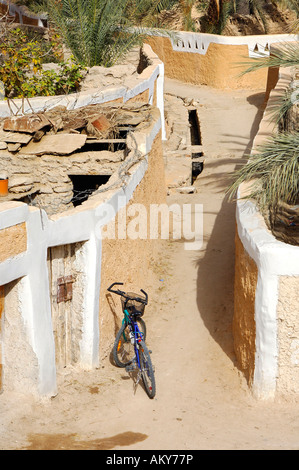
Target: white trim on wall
[273, 259]
[69, 227]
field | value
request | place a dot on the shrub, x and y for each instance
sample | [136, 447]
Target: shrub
[21, 68]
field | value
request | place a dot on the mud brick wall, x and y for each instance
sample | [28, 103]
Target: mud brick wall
[128, 260]
[218, 68]
[266, 327]
[246, 274]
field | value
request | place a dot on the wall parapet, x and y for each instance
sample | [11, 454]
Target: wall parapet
[150, 80]
[81, 225]
[22, 15]
[215, 60]
[275, 369]
[198, 43]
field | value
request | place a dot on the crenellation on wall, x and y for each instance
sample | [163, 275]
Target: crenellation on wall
[217, 61]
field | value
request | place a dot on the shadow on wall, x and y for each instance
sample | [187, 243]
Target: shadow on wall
[216, 268]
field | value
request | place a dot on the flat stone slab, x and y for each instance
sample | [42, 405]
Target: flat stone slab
[15, 137]
[59, 144]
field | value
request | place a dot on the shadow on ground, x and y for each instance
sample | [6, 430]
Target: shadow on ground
[215, 274]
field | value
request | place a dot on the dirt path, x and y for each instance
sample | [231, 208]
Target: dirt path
[202, 399]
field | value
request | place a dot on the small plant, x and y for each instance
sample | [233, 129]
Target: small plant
[21, 68]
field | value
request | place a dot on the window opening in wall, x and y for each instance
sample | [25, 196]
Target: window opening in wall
[85, 185]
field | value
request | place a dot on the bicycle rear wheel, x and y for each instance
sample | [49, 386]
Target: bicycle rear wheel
[123, 350]
[147, 372]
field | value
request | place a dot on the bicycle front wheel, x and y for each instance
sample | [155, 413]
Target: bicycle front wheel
[147, 372]
[123, 350]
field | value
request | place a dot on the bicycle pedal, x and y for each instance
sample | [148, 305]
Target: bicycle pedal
[130, 367]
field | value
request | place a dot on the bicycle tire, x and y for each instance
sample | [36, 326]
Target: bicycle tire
[147, 371]
[123, 350]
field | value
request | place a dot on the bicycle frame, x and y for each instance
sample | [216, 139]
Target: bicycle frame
[136, 331]
[135, 326]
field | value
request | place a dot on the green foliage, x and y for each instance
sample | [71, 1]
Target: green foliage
[96, 31]
[33, 5]
[287, 55]
[146, 12]
[214, 21]
[273, 171]
[21, 68]
[186, 9]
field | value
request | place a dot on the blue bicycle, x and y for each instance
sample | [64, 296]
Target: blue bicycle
[129, 349]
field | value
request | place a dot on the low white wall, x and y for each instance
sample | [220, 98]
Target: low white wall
[22, 12]
[81, 224]
[151, 76]
[198, 43]
[273, 259]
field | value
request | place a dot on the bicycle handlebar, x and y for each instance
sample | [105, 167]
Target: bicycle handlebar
[124, 294]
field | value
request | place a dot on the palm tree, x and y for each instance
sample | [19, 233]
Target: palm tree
[273, 169]
[97, 32]
[186, 9]
[216, 16]
[219, 11]
[286, 55]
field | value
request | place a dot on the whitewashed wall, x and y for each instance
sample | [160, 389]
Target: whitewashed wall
[273, 259]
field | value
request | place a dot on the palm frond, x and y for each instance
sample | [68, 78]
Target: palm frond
[273, 170]
[94, 30]
[257, 8]
[286, 55]
[281, 106]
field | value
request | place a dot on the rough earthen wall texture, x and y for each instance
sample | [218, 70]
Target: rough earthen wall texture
[13, 241]
[218, 68]
[288, 336]
[128, 260]
[246, 274]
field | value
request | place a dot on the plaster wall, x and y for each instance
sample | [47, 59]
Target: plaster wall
[26, 274]
[18, 234]
[288, 335]
[216, 61]
[246, 274]
[275, 290]
[128, 260]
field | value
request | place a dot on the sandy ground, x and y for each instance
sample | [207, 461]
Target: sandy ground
[202, 399]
